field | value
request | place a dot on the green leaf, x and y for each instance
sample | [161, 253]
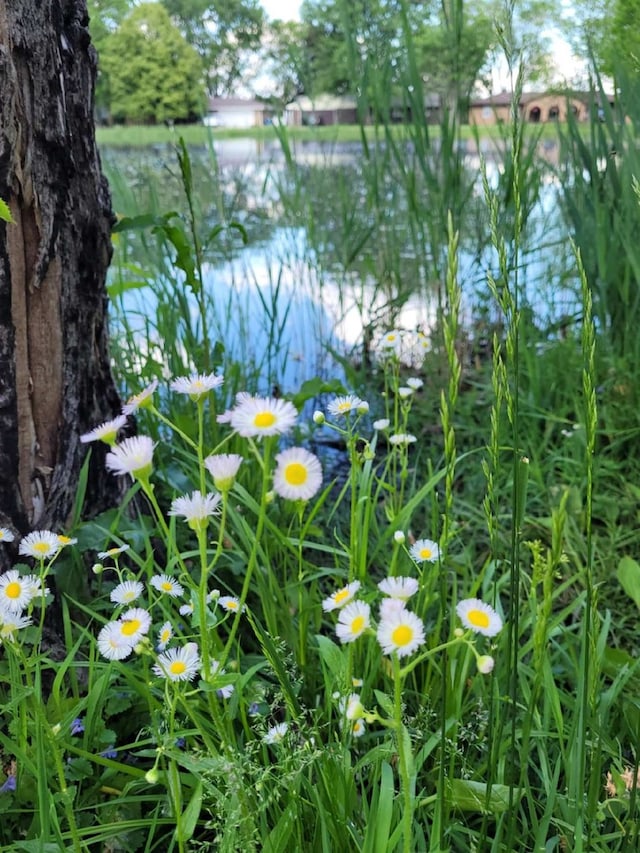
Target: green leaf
[333, 657]
[629, 577]
[192, 812]
[314, 388]
[384, 812]
[469, 796]
[385, 702]
[145, 220]
[5, 213]
[184, 254]
[117, 288]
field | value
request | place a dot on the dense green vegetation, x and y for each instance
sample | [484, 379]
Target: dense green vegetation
[242, 667]
[414, 53]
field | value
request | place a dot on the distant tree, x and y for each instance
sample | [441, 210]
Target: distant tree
[285, 60]
[452, 51]
[154, 74]
[623, 55]
[223, 32]
[105, 16]
[352, 42]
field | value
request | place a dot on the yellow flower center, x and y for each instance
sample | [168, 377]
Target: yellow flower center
[426, 553]
[341, 596]
[166, 586]
[13, 589]
[478, 618]
[264, 419]
[402, 635]
[357, 625]
[296, 474]
[345, 406]
[41, 547]
[129, 595]
[177, 667]
[64, 540]
[130, 627]
[165, 635]
[231, 605]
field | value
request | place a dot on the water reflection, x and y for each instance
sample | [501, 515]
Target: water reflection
[323, 266]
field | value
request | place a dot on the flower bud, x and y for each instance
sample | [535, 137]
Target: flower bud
[485, 664]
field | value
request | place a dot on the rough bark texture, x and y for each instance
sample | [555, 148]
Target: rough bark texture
[55, 380]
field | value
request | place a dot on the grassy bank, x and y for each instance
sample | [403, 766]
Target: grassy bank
[139, 136]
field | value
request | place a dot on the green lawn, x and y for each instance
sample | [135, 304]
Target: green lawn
[138, 136]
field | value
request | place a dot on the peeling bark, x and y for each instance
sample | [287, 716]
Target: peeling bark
[55, 379]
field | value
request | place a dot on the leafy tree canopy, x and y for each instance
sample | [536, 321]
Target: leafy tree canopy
[223, 32]
[154, 74]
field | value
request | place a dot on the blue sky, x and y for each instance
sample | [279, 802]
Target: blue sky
[284, 9]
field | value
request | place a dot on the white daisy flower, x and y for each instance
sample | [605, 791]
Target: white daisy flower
[230, 603]
[346, 405]
[404, 392]
[479, 617]
[12, 622]
[358, 728]
[112, 552]
[126, 592]
[165, 635]
[298, 474]
[353, 621]
[352, 707]
[389, 606]
[415, 383]
[401, 588]
[35, 586]
[223, 467]
[132, 456]
[425, 551]
[485, 664]
[196, 508]
[6, 535]
[41, 544]
[276, 733]
[227, 689]
[187, 609]
[141, 400]
[15, 592]
[106, 432]
[392, 341]
[400, 632]
[254, 417]
[167, 585]
[197, 384]
[112, 644]
[179, 664]
[134, 624]
[341, 597]
[402, 439]
[64, 541]
[423, 342]
[381, 425]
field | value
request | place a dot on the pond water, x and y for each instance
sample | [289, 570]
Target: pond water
[339, 246]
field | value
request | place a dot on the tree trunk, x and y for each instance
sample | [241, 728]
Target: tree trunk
[55, 379]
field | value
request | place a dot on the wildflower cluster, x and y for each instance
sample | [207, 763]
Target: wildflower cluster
[19, 592]
[399, 631]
